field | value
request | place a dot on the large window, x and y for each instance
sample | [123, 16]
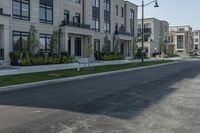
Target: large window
[20, 41]
[21, 9]
[95, 15]
[122, 12]
[66, 15]
[107, 15]
[132, 22]
[179, 41]
[117, 10]
[46, 11]
[96, 45]
[45, 40]
[77, 1]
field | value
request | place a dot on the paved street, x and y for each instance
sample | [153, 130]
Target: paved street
[157, 100]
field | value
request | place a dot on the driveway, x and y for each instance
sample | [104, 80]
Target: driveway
[156, 100]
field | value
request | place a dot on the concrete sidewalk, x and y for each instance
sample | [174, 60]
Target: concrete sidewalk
[43, 68]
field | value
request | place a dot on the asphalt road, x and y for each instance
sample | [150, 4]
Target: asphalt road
[157, 100]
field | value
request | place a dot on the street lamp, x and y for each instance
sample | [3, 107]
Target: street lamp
[143, 5]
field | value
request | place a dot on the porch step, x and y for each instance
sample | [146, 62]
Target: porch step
[4, 63]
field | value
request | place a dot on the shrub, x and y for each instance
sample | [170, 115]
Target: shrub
[53, 60]
[39, 60]
[14, 57]
[113, 57]
[26, 61]
[67, 59]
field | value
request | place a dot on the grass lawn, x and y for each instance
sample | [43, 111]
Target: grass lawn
[42, 76]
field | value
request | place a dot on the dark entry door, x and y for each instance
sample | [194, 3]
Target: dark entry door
[69, 46]
[77, 46]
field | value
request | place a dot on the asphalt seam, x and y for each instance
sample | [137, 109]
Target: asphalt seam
[41, 83]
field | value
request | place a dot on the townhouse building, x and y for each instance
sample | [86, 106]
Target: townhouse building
[155, 32]
[80, 23]
[196, 41]
[181, 40]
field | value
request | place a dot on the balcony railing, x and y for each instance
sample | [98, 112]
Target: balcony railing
[74, 24]
[122, 31]
[1, 54]
[146, 30]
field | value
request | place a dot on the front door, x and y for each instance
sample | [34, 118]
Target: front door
[122, 48]
[69, 46]
[77, 46]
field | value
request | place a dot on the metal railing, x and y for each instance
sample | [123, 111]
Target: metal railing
[74, 24]
[146, 30]
[122, 31]
[1, 54]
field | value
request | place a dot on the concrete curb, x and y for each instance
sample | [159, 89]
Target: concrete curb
[49, 82]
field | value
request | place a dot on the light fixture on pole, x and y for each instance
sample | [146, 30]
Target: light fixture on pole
[143, 5]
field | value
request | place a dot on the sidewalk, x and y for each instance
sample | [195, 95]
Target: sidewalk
[11, 70]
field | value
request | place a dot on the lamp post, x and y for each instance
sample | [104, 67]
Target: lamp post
[143, 5]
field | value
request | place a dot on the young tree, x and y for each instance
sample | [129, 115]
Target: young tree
[89, 50]
[162, 47]
[134, 47]
[117, 42]
[106, 46]
[54, 43]
[32, 40]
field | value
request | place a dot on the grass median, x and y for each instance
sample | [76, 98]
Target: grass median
[58, 74]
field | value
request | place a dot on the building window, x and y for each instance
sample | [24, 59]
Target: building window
[45, 40]
[95, 3]
[46, 11]
[107, 5]
[107, 15]
[132, 22]
[66, 16]
[117, 10]
[179, 41]
[95, 24]
[196, 33]
[96, 15]
[21, 9]
[196, 40]
[196, 47]
[106, 26]
[20, 41]
[96, 45]
[122, 12]
[77, 18]
[77, 1]
[131, 14]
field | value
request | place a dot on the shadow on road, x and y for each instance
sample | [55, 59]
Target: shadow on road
[123, 95]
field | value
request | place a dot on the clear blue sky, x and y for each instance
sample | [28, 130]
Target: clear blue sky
[176, 12]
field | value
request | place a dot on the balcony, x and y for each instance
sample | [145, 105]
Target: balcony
[146, 30]
[74, 24]
[1, 54]
[122, 31]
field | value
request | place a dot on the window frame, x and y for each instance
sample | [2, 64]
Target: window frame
[20, 15]
[46, 8]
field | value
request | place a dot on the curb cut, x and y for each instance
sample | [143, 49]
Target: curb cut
[54, 81]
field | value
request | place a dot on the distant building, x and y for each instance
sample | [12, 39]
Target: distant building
[155, 32]
[196, 40]
[181, 41]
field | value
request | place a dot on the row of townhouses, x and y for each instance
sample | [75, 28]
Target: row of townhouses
[84, 22]
[80, 22]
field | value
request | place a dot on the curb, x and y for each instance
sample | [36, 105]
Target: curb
[49, 82]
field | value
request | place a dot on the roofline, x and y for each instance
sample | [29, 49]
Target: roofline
[130, 2]
[181, 26]
[154, 19]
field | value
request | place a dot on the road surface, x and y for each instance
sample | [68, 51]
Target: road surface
[163, 99]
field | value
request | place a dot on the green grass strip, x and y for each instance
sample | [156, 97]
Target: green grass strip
[50, 75]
